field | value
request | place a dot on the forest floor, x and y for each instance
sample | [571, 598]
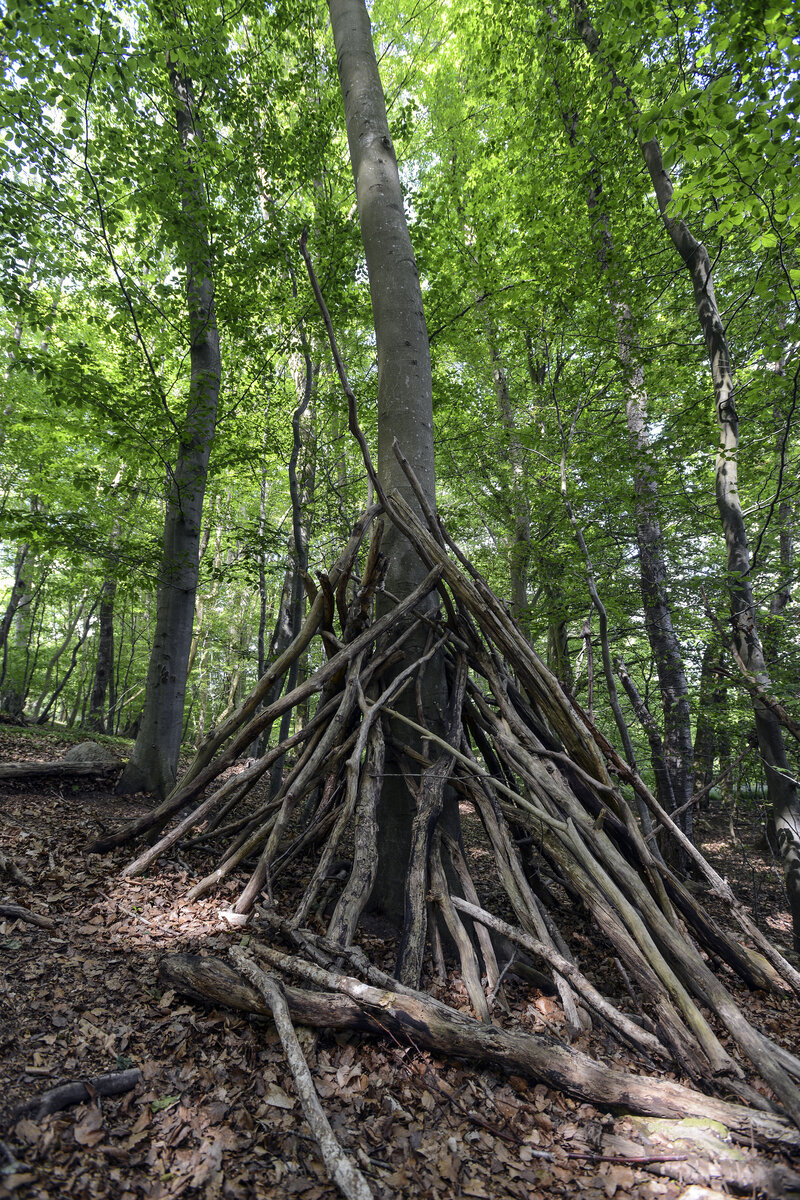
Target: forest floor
[215, 1114]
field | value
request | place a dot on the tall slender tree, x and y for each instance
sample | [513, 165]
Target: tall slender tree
[405, 388]
[153, 764]
[781, 786]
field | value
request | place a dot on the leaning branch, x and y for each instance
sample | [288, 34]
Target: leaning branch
[343, 1172]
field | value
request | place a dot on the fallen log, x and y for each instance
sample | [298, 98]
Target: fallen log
[57, 770]
[698, 1153]
[433, 1025]
[340, 1167]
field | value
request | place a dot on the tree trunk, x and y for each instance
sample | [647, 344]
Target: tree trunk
[155, 756]
[710, 707]
[676, 746]
[73, 618]
[444, 1030]
[18, 589]
[775, 632]
[42, 716]
[781, 787]
[520, 552]
[16, 647]
[405, 389]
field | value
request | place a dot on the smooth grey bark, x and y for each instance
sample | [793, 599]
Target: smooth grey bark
[405, 389]
[154, 761]
[781, 786]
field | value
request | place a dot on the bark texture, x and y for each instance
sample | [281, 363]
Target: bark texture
[102, 689]
[349, 1003]
[405, 389]
[155, 756]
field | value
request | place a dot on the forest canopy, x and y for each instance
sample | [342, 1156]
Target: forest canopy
[501, 122]
[400, 421]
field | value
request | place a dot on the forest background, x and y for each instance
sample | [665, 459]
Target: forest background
[159, 167]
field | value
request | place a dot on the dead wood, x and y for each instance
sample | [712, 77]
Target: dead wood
[617, 1021]
[17, 913]
[428, 1023]
[708, 1158]
[78, 1091]
[342, 1171]
[536, 770]
[22, 772]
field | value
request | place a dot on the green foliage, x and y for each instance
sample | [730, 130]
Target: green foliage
[503, 126]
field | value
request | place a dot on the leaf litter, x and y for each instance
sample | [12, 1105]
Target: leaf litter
[215, 1114]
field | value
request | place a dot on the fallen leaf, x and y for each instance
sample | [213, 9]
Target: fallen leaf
[29, 1131]
[277, 1097]
[10, 1182]
[89, 1131]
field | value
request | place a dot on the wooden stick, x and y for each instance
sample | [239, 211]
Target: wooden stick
[438, 1027]
[347, 1177]
[78, 1091]
[17, 913]
[619, 1022]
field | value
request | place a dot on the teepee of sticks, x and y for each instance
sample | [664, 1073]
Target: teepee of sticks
[548, 789]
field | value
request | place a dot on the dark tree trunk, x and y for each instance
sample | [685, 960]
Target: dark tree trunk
[104, 667]
[710, 707]
[155, 756]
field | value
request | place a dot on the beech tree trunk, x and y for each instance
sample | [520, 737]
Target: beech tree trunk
[154, 761]
[676, 745]
[73, 619]
[405, 390]
[710, 706]
[17, 670]
[781, 786]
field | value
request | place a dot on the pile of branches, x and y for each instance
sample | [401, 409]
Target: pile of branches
[550, 792]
